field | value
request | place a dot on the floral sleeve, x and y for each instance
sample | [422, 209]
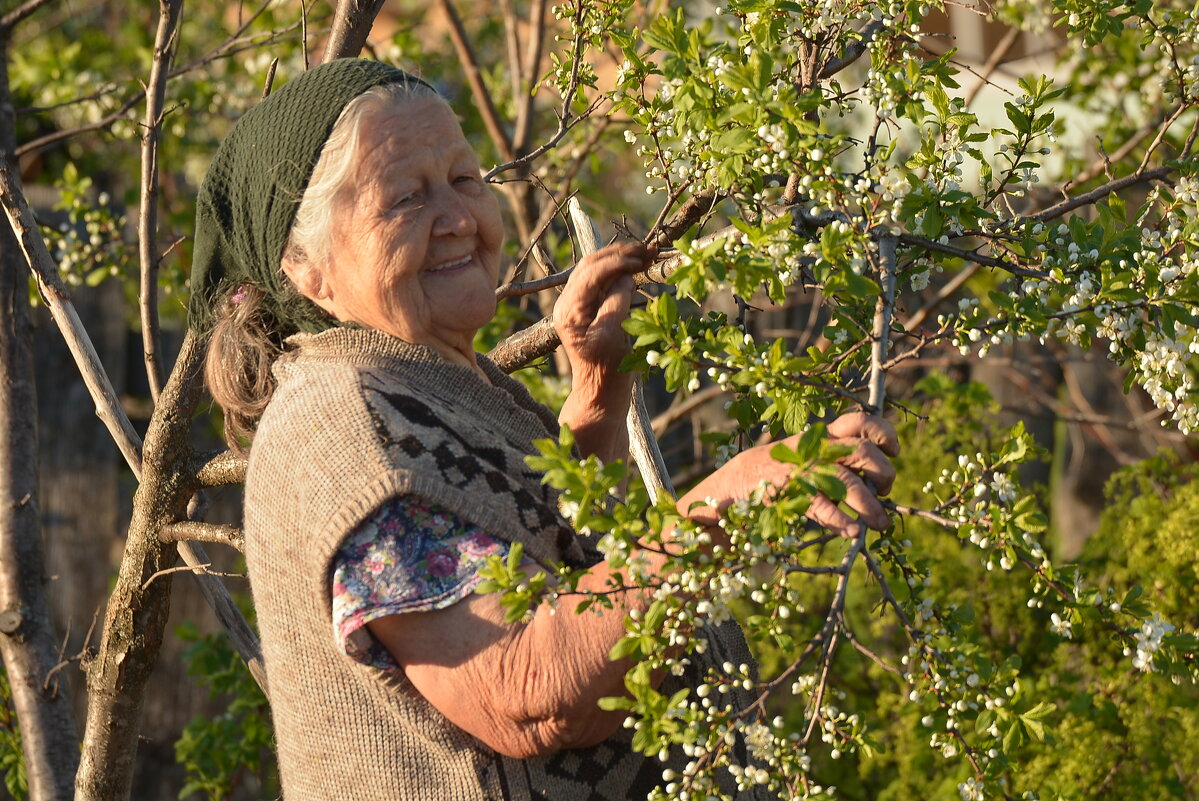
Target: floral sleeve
[406, 557]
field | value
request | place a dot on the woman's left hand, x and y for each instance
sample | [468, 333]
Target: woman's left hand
[589, 314]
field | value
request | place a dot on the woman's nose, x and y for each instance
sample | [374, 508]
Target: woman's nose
[455, 216]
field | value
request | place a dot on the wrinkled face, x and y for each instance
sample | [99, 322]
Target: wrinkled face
[417, 233]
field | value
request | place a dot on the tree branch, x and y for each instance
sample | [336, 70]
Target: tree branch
[474, 77]
[352, 23]
[219, 469]
[566, 120]
[852, 53]
[527, 78]
[21, 12]
[1099, 193]
[58, 301]
[195, 531]
[147, 229]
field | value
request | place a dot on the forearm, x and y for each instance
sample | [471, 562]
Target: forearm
[596, 412]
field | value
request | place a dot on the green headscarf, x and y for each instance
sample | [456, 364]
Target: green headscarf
[249, 198]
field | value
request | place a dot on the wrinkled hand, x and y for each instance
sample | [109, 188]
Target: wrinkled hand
[590, 310]
[866, 472]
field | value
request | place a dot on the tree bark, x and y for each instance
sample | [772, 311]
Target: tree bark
[138, 607]
[352, 23]
[27, 638]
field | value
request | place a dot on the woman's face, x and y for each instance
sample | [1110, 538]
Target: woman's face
[417, 233]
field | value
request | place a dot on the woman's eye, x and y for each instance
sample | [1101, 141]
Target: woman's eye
[403, 200]
[466, 178]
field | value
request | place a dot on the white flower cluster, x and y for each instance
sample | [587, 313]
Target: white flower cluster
[972, 790]
[1149, 640]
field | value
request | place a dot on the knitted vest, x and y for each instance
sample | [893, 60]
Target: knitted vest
[359, 417]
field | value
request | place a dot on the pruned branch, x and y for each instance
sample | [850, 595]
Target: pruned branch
[196, 531]
[147, 228]
[219, 469]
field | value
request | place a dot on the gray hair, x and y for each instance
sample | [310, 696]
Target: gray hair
[311, 238]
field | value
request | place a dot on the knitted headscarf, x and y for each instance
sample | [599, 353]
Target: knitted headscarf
[248, 201]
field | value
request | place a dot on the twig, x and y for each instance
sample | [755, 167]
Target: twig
[527, 77]
[566, 120]
[197, 569]
[852, 52]
[1101, 163]
[1099, 193]
[993, 61]
[43, 142]
[21, 12]
[683, 408]
[474, 77]
[970, 255]
[147, 228]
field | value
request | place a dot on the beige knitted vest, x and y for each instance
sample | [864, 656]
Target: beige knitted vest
[359, 417]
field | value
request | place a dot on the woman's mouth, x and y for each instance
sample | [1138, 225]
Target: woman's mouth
[452, 265]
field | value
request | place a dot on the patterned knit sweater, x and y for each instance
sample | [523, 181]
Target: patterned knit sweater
[359, 417]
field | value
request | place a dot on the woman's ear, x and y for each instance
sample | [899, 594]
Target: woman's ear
[307, 279]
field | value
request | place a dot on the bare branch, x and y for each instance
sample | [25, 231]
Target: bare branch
[147, 228]
[852, 53]
[993, 61]
[195, 531]
[58, 301]
[566, 120]
[43, 142]
[1099, 193]
[474, 77]
[684, 407]
[352, 23]
[527, 78]
[971, 255]
[21, 12]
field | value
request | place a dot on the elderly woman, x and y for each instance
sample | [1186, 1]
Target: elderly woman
[347, 251]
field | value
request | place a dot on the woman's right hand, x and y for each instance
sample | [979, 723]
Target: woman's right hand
[866, 472]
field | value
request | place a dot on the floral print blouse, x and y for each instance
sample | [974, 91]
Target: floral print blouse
[406, 557]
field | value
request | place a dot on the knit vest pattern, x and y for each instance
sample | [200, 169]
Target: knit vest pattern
[359, 417]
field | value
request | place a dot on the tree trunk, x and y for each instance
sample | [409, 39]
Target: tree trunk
[27, 638]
